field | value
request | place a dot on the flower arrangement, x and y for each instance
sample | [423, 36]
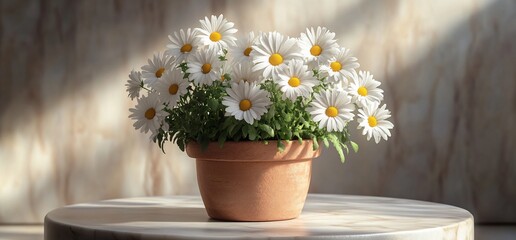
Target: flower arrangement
[209, 86]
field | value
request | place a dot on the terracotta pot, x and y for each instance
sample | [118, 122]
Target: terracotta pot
[252, 181]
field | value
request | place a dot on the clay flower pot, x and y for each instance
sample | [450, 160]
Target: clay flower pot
[252, 181]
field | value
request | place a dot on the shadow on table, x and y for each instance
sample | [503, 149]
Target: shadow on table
[142, 213]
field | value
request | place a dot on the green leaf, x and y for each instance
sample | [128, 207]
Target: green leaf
[213, 104]
[160, 141]
[227, 123]
[227, 77]
[345, 147]
[238, 137]
[277, 125]
[234, 129]
[230, 129]
[267, 129]
[325, 141]
[281, 146]
[271, 111]
[181, 145]
[299, 138]
[245, 130]
[288, 135]
[354, 145]
[252, 133]
[222, 139]
[315, 143]
[337, 145]
[288, 117]
[340, 152]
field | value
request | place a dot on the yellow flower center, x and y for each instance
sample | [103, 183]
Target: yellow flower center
[275, 59]
[245, 105]
[215, 36]
[247, 51]
[372, 121]
[332, 111]
[336, 66]
[173, 89]
[150, 113]
[362, 91]
[294, 82]
[186, 48]
[160, 72]
[206, 68]
[316, 50]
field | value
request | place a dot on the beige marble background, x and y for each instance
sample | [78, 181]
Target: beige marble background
[447, 68]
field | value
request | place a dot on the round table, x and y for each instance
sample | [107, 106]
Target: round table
[324, 217]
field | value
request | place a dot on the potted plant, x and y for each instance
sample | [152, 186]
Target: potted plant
[254, 110]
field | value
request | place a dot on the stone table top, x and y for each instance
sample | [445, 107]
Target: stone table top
[323, 217]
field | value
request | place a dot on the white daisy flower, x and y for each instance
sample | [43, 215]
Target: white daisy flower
[373, 120]
[332, 109]
[272, 51]
[217, 33]
[318, 45]
[241, 50]
[171, 87]
[246, 101]
[204, 66]
[156, 68]
[134, 84]
[296, 80]
[364, 89]
[341, 67]
[182, 44]
[244, 72]
[148, 113]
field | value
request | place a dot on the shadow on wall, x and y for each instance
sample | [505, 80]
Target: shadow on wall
[64, 132]
[53, 51]
[468, 159]
[454, 110]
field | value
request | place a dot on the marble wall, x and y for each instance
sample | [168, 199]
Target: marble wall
[447, 68]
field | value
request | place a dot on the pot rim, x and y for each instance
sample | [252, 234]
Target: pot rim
[253, 151]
